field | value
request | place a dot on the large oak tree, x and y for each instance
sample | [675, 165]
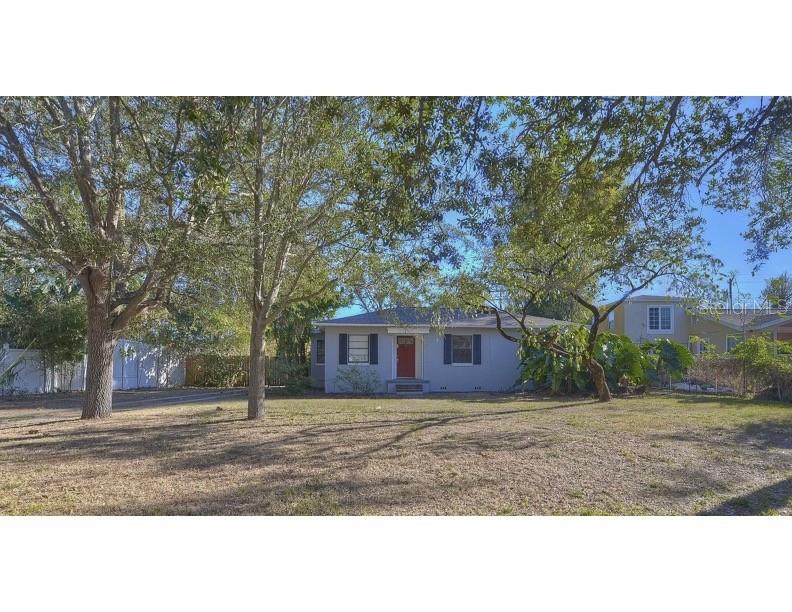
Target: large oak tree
[118, 193]
[590, 194]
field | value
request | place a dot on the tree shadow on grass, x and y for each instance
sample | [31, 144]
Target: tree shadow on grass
[205, 443]
[765, 435]
[287, 494]
[767, 500]
[730, 401]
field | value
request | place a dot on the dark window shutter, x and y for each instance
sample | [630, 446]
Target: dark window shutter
[373, 352]
[342, 348]
[447, 349]
[477, 349]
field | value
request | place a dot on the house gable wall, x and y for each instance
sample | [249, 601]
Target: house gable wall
[636, 325]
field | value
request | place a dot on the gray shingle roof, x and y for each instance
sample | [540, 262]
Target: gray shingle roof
[439, 317]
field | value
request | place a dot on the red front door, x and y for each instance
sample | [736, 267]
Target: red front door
[405, 356]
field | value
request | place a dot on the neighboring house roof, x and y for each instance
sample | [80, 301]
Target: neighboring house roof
[648, 298]
[654, 298]
[441, 318]
[749, 318]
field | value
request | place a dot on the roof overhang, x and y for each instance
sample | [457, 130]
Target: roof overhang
[411, 329]
[748, 326]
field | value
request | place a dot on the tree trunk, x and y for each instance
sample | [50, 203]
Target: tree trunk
[256, 378]
[594, 367]
[598, 376]
[101, 343]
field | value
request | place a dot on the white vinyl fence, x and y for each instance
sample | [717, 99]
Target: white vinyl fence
[135, 365]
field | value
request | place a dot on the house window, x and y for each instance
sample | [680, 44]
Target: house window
[320, 351]
[462, 349]
[358, 348]
[732, 342]
[660, 319]
[696, 345]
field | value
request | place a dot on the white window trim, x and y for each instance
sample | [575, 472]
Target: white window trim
[463, 364]
[660, 332]
[324, 356]
[368, 350]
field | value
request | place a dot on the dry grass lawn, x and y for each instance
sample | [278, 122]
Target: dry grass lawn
[439, 455]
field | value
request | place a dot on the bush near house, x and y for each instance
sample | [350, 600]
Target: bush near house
[354, 379]
[626, 365]
[666, 360]
[758, 366]
[232, 371]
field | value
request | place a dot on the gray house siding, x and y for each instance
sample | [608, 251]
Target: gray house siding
[499, 369]
[317, 369]
[382, 369]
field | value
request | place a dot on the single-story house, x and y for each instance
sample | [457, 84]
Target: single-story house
[417, 350]
[648, 317]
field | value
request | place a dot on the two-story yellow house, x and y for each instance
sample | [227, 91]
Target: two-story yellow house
[648, 317]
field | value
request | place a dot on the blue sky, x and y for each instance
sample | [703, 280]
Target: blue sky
[723, 232]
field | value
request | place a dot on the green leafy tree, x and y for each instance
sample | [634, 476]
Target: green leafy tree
[588, 195]
[319, 181]
[44, 312]
[666, 359]
[777, 292]
[750, 168]
[291, 331]
[118, 192]
[555, 358]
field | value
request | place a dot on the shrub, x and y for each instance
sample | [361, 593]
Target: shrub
[354, 379]
[297, 377]
[550, 370]
[757, 366]
[217, 371]
[621, 358]
[767, 363]
[618, 355]
[666, 359]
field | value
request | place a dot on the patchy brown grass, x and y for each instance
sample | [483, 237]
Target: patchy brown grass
[438, 455]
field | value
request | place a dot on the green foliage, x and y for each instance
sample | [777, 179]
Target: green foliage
[291, 331]
[358, 380]
[757, 365]
[558, 370]
[620, 357]
[194, 329]
[756, 174]
[45, 312]
[297, 376]
[554, 359]
[758, 351]
[666, 359]
[217, 371]
[777, 292]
